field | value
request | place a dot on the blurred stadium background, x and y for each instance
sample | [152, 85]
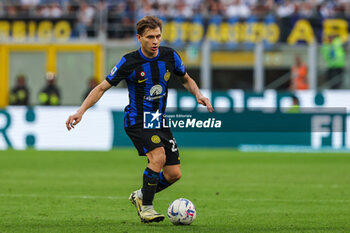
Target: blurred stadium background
[244, 56]
[242, 53]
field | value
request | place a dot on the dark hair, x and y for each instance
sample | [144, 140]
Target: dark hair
[151, 22]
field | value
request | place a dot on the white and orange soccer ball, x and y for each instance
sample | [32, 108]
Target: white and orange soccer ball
[182, 212]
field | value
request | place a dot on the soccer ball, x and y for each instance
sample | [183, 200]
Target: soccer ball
[182, 212]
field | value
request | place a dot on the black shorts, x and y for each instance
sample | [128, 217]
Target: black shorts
[146, 140]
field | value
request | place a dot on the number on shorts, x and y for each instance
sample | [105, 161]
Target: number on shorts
[174, 146]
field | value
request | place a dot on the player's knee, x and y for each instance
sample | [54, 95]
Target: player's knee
[157, 157]
[159, 161]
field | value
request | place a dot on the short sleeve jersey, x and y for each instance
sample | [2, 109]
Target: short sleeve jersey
[147, 80]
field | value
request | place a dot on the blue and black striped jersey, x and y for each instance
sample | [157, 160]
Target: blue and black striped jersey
[147, 81]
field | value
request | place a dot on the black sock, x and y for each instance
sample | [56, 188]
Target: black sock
[150, 182]
[163, 183]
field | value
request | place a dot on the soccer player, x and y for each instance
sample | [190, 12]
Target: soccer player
[147, 72]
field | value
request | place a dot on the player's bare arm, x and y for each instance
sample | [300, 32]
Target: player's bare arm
[90, 100]
[192, 87]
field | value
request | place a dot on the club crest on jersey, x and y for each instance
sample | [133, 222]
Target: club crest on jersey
[167, 75]
[155, 139]
[142, 74]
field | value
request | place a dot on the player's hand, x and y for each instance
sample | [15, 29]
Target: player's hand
[73, 120]
[205, 102]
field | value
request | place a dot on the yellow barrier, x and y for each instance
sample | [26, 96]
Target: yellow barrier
[51, 51]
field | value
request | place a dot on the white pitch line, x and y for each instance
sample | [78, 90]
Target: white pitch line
[125, 197]
[63, 196]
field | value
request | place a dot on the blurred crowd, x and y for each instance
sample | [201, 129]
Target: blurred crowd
[58, 8]
[245, 8]
[117, 17]
[90, 9]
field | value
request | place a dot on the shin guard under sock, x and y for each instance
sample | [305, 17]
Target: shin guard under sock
[150, 182]
[163, 183]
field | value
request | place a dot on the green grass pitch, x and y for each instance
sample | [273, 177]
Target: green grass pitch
[43, 191]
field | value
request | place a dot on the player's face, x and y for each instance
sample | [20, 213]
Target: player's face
[150, 41]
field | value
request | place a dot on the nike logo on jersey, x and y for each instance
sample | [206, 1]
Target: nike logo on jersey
[142, 80]
[152, 184]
